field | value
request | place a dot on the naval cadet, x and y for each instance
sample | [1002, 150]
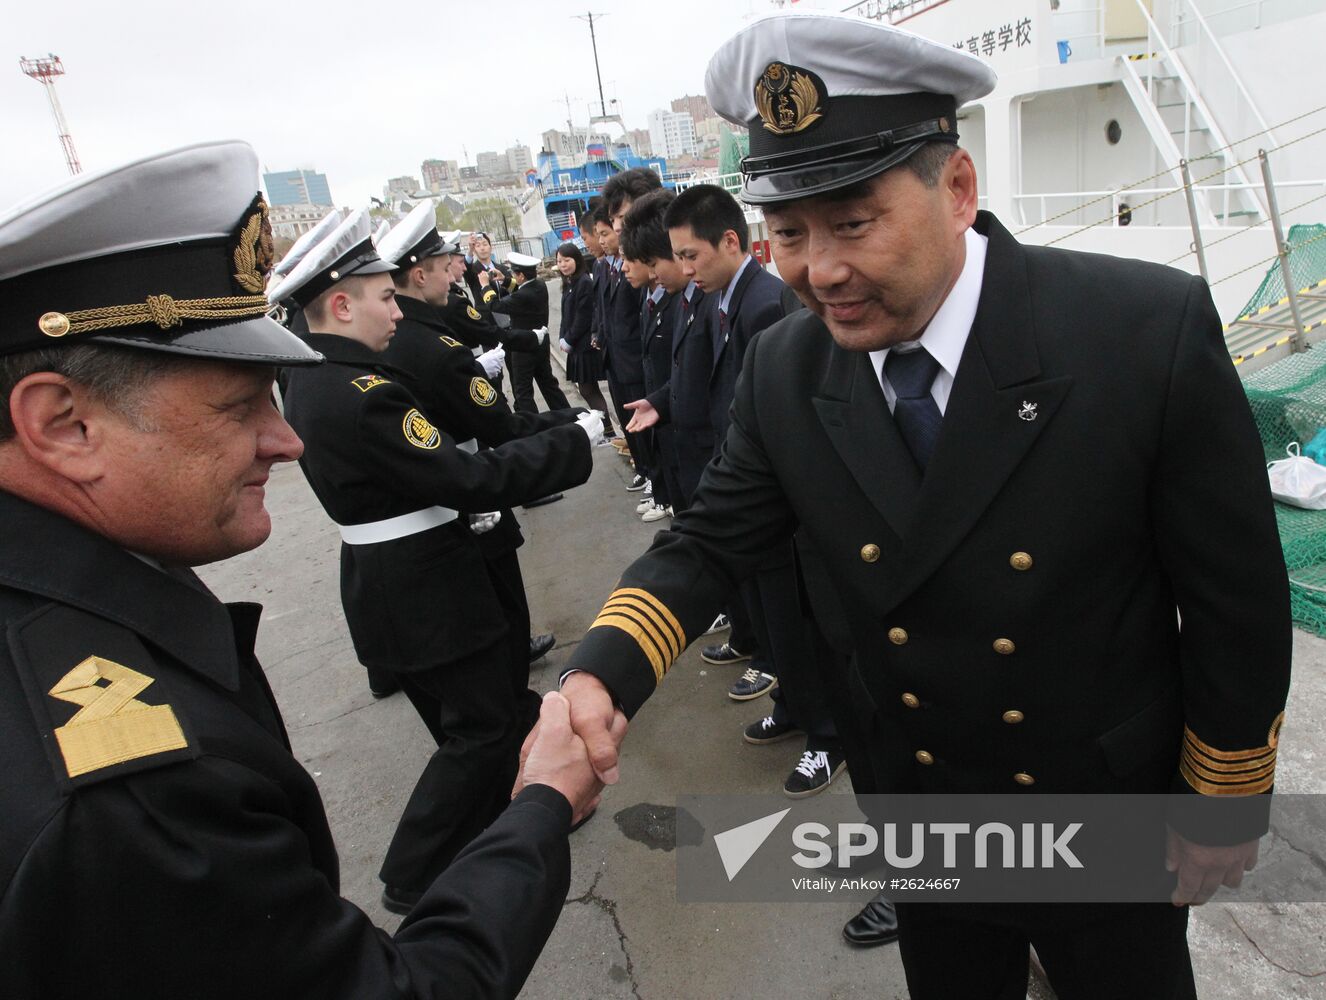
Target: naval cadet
[1029, 537]
[527, 308]
[159, 839]
[419, 600]
[293, 317]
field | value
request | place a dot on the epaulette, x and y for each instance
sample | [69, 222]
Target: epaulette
[101, 702]
[450, 341]
[365, 382]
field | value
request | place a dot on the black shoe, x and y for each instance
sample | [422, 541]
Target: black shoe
[877, 923]
[752, 684]
[638, 483]
[382, 684]
[540, 644]
[722, 653]
[550, 498]
[813, 773]
[766, 730]
[400, 901]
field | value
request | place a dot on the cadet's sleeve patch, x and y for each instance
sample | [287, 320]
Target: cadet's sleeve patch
[473, 313]
[450, 341]
[112, 726]
[482, 391]
[419, 432]
[365, 382]
[489, 295]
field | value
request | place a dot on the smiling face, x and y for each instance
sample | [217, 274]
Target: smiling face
[876, 261]
[566, 265]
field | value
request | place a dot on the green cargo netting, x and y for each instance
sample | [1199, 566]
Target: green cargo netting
[731, 148]
[1288, 402]
[1307, 266]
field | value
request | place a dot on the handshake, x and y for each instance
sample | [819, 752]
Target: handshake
[555, 756]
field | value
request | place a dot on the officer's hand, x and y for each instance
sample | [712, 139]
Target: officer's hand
[542, 334]
[592, 424]
[566, 348]
[492, 361]
[483, 278]
[645, 415]
[557, 758]
[1203, 869]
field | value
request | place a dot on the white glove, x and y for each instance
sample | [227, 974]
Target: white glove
[566, 348]
[479, 523]
[592, 424]
[542, 334]
[492, 361]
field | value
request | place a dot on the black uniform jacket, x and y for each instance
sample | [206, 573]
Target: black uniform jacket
[159, 840]
[656, 325]
[620, 329]
[757, 303]
[527, 305]
[578, 313]
[474, 327]
[1013, 613]
[684, 401]
[439, 370]
[372, 453]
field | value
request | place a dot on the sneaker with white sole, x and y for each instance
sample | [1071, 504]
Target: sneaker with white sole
[722, 653]
[646, 504]
[768, 730]
[637, 484]
[719, 624]
[656, 512]
[752, 684]
[813, 773]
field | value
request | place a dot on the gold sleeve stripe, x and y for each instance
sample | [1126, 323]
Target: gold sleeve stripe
[664, 635]
[1191, 739]
[1205, 787]
[659, 607]
[1228, 767]
[642, 639]
[1228, 773]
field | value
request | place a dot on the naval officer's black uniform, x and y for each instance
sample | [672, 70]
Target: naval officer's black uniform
[527, 307]
[423, 605]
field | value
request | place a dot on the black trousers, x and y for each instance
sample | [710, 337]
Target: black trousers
[529, 367]
[623, 393]
[980, 953]
[593, 395]
[478, 710]
[796, 646]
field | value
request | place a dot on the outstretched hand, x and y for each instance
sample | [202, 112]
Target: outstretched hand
[644, 415]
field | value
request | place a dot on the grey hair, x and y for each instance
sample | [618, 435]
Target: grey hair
[927, 163]
[115, 376]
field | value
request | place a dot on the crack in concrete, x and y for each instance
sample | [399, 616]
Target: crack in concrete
[321, 722]
[1268, 958]
[1312, 856]
[609, 906]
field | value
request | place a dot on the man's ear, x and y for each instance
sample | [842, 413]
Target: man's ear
[60, 425]
[338, 307]
[960, 182]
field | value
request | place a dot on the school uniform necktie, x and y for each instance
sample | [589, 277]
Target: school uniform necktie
[916, 412]
[722, 323]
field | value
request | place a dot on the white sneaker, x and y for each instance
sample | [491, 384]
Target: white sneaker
[719, 624]
[656, 513]
[645, 505]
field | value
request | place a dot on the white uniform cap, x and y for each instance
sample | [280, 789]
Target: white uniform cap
[832, 99]
[347, 252]
[522, 260]
[306, 242]
[167, 253]
[382, 230]
[413, 238]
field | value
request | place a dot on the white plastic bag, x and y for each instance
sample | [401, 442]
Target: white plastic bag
[1298, 480]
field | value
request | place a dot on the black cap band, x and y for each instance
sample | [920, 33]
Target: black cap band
[361, 259]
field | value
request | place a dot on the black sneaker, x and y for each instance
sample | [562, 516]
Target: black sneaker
[813, 774]
[766, 730]
[722, 653]
[638, 483]
[400, 901]
[752, 684]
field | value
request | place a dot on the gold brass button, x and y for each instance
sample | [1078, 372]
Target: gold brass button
[1020, 561]
[925, 757]
[898, 636]
[1013, 717]
[870, 553]
[1022, 778]
[911, 701]
[53, 324]
[1004, 647]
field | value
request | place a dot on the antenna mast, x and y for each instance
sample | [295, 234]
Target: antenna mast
[44, 71]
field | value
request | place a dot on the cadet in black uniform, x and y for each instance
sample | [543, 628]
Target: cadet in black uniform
[418, 598]
[527, 307]
[159, 840]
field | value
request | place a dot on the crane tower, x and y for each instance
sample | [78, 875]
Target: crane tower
[44, 71]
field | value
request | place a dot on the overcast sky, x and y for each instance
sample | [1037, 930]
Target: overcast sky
[359, 91]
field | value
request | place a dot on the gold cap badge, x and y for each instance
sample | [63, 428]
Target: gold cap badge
[788, 98]
[253, 250]
[54, 324]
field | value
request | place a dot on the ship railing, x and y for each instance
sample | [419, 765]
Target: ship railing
[1123, 202]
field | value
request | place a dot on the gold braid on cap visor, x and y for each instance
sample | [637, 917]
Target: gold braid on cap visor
[162, 310]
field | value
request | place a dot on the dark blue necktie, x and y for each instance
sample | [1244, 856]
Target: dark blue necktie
[916, 412]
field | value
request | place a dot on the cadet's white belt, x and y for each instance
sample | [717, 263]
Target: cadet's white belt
[472, 446]
[397, 527]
